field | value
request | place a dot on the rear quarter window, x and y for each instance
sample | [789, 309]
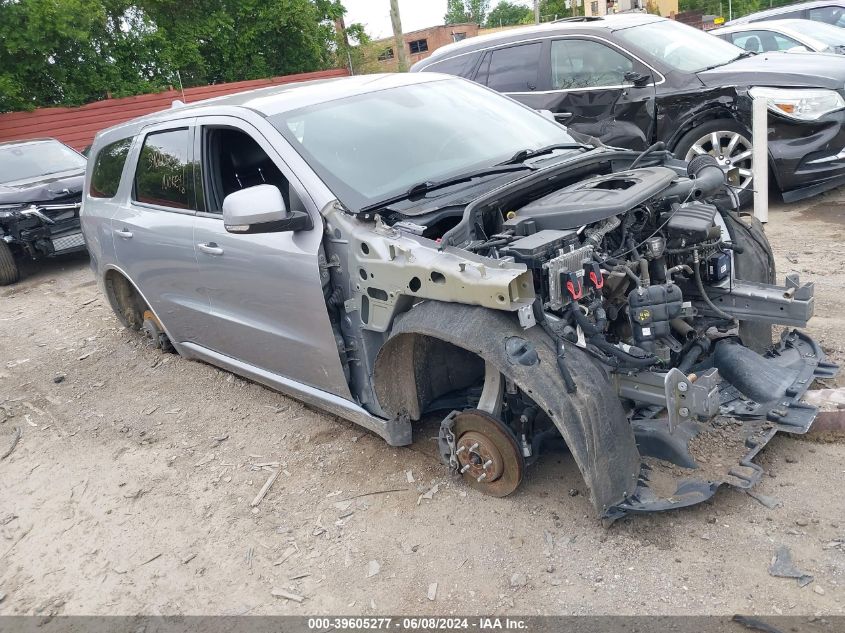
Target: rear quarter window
[460, 66]
[108, 168]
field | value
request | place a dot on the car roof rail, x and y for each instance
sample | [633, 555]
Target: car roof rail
[579, 18]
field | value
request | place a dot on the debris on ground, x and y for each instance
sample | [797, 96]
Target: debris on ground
[835, 543]
[828, 427]
[755, 624]
[518, 580]
[826, 399]
[783, 567]
[264, 489]
[770, 502]
[432, 591]
[15, 439]
[287, 595]
[373, 568]
[428, 495]
[290, 551]
[409, 475]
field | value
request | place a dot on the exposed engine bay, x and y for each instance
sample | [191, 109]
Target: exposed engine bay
[650, 271]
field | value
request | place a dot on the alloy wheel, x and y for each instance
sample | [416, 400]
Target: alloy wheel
[733, 152]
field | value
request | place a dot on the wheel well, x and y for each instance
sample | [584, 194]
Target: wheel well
[416, 370]
[125, 300]
[704, 117]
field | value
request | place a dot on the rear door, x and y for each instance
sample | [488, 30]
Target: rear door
[268, 306]
[154, 231]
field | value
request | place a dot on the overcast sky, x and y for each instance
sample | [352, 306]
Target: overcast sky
[416, 14]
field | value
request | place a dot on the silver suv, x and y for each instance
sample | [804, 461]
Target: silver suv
[400, 246]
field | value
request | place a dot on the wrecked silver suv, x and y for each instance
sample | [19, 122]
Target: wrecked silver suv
[393, 247]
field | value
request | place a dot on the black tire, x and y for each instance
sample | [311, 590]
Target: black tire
[755, 263]
[9, 272]
[729, 127]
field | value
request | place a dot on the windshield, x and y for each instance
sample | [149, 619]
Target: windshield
[828, 35]
[39, 158]
[370, 147]
[680, 46]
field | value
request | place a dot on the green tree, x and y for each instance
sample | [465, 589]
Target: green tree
[509, 13]
[460, 11]
[69, 52]
[551, 9]
[739, 8]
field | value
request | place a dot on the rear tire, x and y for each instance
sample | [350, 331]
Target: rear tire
[729, 143]
[9, 272]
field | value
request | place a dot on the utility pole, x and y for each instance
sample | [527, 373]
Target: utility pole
[536, 11]
[398, 37]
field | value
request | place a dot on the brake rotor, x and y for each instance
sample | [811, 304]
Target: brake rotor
[489, 458]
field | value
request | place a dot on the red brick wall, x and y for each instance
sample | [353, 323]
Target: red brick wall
[77, 126]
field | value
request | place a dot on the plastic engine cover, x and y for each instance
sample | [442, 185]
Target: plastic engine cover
[691, 222]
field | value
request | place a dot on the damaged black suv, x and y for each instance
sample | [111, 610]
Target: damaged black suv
[40, 194]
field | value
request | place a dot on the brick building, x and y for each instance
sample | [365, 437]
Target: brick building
[420, 44]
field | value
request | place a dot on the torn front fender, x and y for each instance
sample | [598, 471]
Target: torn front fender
[591, 420]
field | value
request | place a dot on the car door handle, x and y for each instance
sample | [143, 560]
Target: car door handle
[563, 116]
[124, 233]
[210, 248]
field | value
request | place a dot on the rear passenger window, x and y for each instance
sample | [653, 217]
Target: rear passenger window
[164, 176]
[108, 167]
[514, 69]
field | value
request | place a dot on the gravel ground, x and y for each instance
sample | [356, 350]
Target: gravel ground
[130, 490]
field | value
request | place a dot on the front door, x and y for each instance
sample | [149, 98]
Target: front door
[267, 302]
[590, 85]
[597, 89]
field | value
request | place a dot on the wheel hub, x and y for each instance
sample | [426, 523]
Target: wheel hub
[488, 455]
[478, 457]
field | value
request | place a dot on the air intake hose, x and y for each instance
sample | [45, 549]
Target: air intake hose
[707, 173]
[705, 179]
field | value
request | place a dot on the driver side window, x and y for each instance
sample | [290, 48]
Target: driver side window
[580, 63]
[233, 160]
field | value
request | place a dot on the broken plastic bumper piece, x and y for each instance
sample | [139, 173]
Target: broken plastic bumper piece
[759, 396]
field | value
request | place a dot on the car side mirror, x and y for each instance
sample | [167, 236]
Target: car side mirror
[636, 79]
[261, 209]
[797, 49]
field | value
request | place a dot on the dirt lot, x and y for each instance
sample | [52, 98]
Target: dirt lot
[123, 496]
